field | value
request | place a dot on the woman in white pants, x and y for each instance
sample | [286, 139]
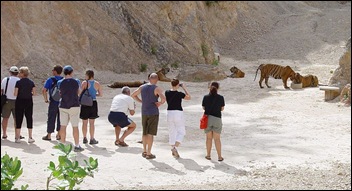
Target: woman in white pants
[175, 118]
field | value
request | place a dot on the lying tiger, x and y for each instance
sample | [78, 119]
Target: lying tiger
[129, 84]
[307, 80]
[161, 74]
[236, 73]
[276, 71]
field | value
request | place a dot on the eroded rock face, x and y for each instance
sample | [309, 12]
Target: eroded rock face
[114, 36]
[201, 73]
[342, 74]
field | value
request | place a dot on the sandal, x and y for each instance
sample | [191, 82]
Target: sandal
[122, 144]
[46, 138]
[144, 154]
[151, 156]
[58, 137]
[208, 157]
[221, 159]
[4, 137]
[117, 143]
[141, 142]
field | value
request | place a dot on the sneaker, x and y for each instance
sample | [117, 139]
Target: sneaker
[31, 140]
[85, 140]
[175, 153]
[93, 141]
[17, 140]
[21, 137]
[78, 149]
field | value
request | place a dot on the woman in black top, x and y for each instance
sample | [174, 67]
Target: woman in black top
[213, 104]
[24, 90]
[175, 118]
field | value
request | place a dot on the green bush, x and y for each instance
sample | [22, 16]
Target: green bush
[175, 65]
[143, 67]
[10, 171]
[205, 50]
[209, 3]
[153, 50]
[215, 62]
[68, 172]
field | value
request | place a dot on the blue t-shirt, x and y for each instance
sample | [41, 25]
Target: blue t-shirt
[49, 84]
[68, 89]
[25, 87]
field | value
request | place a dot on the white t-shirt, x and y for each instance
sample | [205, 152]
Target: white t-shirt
[122, 103]
[10, 87]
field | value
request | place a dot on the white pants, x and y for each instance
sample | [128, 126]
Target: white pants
[176, 123]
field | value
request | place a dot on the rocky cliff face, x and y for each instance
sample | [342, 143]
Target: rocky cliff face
[342, 74]
[115, 36]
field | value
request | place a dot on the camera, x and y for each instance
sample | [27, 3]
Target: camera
[181, 84]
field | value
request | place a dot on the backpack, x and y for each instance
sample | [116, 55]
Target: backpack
[54, 92]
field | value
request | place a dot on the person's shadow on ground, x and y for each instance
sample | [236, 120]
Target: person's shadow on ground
[192, 165]
[222, 166]
[31, 148]
[163, 167]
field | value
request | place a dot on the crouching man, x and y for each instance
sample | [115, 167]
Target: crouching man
[122, 105]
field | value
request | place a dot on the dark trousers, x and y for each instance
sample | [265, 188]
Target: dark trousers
[24, 107]
[53, 115]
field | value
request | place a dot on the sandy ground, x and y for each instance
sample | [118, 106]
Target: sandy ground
[272, 138]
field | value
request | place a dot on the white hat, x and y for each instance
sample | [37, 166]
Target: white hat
[13, 69]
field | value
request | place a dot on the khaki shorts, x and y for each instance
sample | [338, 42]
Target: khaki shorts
[69, 115]
[8, 108]
[214, 124]
[150, 124]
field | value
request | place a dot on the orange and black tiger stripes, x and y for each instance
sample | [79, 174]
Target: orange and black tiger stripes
[276, 71]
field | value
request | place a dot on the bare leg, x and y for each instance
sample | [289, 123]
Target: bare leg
[62, 133]
[4, 126]
[117, 133]
[144, 141]
[209, 142]
[30, 133]
[217, 144]
[84, 127]
[130, 129]
[17, 133]
[91, 128]
[75, 135]
[149, 142]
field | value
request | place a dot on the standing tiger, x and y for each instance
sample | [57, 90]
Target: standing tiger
[276, 71]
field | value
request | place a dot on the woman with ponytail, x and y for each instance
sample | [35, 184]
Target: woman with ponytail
[213, 104]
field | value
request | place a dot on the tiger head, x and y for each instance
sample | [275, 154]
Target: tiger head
[315, 81]
[297, 79]
[236, 73]
[164, 70]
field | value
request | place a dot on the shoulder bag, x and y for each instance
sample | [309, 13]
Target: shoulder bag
[3, 96]
[85, 97]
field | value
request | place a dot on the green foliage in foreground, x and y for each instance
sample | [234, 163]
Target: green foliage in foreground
[68, 172]
[10, 171]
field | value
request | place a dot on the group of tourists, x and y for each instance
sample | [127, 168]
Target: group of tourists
[65, 107]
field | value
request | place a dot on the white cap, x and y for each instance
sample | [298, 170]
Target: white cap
[13, 69]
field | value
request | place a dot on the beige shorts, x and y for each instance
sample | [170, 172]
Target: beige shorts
[69, 115]
[8, 108]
